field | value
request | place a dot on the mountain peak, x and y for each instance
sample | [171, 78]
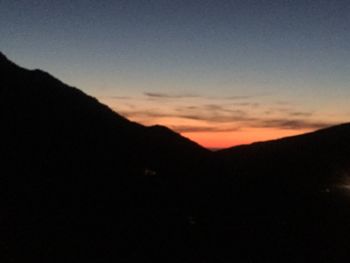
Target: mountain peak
[4, 61]
[3, 57]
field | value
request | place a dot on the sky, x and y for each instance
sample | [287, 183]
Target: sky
[221, 73]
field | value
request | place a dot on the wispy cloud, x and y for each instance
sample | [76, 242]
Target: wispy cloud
[290, 111]
[120, 97]
[247, 104]
[241, 97]
[300, 114]
[290, 124]
[115, 97]
[147, 114]
[158, 95]
[217, 118]
[209, 117]
[162, 95]
[247, 97]
[191, 128]
[210, 114]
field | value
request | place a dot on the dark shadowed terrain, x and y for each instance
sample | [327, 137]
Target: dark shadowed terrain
[80, 183]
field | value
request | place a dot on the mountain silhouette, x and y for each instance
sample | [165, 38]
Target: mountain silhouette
[81, 183]
[42, 111]
[66, 154]
[315, 159]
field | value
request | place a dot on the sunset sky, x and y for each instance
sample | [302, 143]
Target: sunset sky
[219, 72]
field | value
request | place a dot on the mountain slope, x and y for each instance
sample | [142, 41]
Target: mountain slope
[80, 183]
[46, 114]
[77, 175]
[316, 158]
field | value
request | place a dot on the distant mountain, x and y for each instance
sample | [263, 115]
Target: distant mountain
[318, 158]
[293, 193]
[81, 183]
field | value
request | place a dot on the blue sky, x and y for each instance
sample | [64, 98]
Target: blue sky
[275, 62]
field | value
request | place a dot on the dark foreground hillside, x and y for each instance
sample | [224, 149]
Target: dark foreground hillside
[80, 183]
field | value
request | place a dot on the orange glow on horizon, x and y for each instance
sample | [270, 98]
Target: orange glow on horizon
[209, 133]
[219, 140]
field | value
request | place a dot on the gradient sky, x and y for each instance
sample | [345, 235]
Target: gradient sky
[220, 72]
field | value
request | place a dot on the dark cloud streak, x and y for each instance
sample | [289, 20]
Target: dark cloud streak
[156, 95]
[190, 128]
[290, 124]
[216, 121]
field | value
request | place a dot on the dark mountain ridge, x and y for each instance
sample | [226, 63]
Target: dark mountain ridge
[316, 158]
[81, 183]
[70, 162]
[50, 111]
